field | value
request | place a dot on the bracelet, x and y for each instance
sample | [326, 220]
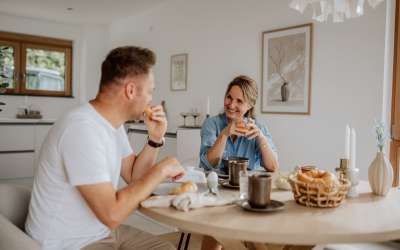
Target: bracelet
[264, 145]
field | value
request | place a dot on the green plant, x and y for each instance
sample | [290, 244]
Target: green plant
[4, 78]
[382, 135]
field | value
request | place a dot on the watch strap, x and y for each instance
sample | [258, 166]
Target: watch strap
[155, 144]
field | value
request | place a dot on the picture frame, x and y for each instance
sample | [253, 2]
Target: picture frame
[179, 72]
[286, 70]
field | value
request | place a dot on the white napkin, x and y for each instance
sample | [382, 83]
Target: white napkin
[187, 201]
[158, 201]
[194, 175]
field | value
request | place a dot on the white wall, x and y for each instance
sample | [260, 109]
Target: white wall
[89, 43]
[223, 39]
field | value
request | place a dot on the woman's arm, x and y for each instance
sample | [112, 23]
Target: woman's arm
[268, 156]
[215, 153]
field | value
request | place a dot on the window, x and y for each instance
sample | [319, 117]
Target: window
[33, 65]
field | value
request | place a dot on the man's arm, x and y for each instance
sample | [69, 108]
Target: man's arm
[133, 167]
[112, 207]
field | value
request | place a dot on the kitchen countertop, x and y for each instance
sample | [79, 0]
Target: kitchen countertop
[15, 121]
[141, 128]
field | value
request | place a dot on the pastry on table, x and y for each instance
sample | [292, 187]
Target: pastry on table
[187, 186]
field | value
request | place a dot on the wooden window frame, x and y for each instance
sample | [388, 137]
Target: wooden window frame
[395, 117]
[20, 42]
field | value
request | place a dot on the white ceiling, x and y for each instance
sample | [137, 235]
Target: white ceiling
[84, 11]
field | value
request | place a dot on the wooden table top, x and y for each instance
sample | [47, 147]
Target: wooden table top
[367, 218]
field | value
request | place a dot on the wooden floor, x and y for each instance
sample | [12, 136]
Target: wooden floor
[195, 243]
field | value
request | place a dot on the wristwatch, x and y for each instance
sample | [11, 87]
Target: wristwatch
[155, 144]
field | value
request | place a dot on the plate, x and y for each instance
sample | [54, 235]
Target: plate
[226, 184]
[165, 187]
[272, 207]
[222, 175]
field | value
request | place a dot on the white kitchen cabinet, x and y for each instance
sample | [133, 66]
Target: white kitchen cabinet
[16, 165]
[20, 144]
[188, 145]
[138, 139]
[16, 138]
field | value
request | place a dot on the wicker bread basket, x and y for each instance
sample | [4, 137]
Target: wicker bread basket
[314, 195]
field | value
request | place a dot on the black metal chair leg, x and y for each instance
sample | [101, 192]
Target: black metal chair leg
[187, 241]
[181, 241]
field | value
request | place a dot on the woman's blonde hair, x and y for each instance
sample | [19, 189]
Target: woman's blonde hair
[249, 89]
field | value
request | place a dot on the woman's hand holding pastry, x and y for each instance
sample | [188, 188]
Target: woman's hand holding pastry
[253, 131]
[231, 129]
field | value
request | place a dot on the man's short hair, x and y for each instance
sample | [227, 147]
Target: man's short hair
[125, 61]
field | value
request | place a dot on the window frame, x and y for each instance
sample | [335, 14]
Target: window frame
[395, 116]
[20, 42]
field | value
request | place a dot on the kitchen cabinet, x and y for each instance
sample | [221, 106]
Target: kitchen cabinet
[188, 145]
[138, 139]
[20, 143]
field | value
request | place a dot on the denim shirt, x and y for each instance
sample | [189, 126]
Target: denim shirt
[242, 146]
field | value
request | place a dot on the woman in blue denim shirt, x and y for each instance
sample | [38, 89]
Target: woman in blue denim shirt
[221, 137]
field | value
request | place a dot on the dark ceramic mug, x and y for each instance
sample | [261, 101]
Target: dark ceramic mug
[259, 193]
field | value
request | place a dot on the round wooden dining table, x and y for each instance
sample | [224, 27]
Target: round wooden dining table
[367, 218]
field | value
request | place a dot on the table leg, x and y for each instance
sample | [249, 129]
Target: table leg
[267, 246]
[264, 246]
[296, 247]
[229, 244]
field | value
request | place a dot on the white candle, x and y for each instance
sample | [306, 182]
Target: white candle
[347, 143]
[208, 105]
[353, 149]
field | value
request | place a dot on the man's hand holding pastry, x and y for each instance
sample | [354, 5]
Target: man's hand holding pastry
[156, 122]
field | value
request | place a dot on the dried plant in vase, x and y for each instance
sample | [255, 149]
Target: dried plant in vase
[277, 58]
[380, 172]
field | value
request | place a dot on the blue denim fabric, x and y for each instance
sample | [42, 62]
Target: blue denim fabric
[242, 147]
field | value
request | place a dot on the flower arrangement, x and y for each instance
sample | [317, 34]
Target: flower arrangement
[381, 135]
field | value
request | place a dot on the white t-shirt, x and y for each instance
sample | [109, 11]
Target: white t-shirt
[81, 148]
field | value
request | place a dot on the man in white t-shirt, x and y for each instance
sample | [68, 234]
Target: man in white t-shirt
[75, 202]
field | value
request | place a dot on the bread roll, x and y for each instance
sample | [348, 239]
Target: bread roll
[188, 186]
[241, 127]
[325, 180]
[148, 111]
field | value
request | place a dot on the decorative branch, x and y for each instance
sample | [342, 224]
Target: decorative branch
[277, 62]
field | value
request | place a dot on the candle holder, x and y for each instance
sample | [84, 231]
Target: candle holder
[342, 170]
[184, 115]
[195, 115]
[351, 174]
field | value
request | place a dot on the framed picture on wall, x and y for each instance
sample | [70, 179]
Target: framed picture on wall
[179, 72]
[286, 70]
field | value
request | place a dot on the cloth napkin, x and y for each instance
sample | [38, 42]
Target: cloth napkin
[187, 201]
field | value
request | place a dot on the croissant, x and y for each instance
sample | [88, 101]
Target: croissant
[188, 186]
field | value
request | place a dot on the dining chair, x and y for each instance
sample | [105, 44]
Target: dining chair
[389, 245]
[14, 204]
